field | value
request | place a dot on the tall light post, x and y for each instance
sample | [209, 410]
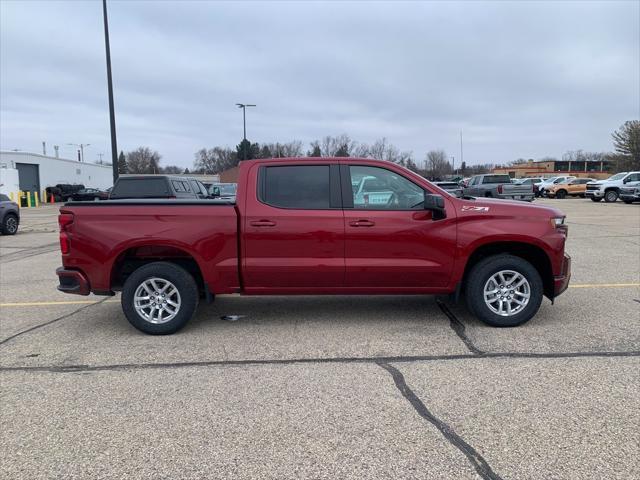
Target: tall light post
[244, 106]
[453, 164]
[112, 113]
[81, 145]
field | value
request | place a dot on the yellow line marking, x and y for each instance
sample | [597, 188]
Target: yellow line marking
[44, 304]
[604, 285]
[88, 302]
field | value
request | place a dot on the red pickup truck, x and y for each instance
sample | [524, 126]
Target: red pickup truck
[315, 226]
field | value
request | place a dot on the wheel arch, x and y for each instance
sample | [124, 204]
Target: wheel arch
[533, 254]
[132, 258]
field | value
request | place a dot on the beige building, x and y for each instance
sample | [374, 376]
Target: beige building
[597, 170]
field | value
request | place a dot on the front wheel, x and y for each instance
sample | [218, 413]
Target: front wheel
[159, 298]
[628, 202]
[9, 224]
[504, 291]
[561, 194]
[611, 196]
[594, 199]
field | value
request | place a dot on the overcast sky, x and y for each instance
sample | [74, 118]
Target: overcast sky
[519, 79]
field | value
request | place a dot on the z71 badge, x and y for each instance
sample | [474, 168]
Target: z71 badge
[471, 208]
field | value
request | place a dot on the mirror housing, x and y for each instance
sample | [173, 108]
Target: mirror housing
[215, 192]
[435, 203]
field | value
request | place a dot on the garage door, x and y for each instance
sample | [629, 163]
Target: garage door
[29, 177]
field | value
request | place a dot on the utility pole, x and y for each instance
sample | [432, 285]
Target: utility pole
[81, 145]
[55, 149]
[44, 148]
[453, 164]
[112, 114]
[100, 158]
[461, 154]
[244, 106]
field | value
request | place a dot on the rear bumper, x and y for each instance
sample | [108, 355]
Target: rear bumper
[561, 282]
[72, 281]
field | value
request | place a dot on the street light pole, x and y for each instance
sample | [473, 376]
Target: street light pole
[244, 106]
[112, 114]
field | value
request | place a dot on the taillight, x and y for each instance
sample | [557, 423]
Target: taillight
[64, 221]
[499, 188]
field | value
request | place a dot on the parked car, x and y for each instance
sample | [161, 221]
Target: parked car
[547, 183]
[90, 194]
[630, 192]
[498, 186]
[452, 187]
[572, 188]
[223, 190]
[286, 235]
[609, 189]
[158, 186]
[9, 215]
[64, 191]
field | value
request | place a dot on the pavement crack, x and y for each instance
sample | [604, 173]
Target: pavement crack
[66, 315]
[475, 459]
[458, 327]
[319, 361]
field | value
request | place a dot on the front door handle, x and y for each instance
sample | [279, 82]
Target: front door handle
[362, 223]
[262, 223]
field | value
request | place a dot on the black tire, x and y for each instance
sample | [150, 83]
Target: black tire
[480, 275]
[9, 224]
[594, 199]
[488, 195]
[628, 202]
[561, 194]
[611, 196]
[181, 279]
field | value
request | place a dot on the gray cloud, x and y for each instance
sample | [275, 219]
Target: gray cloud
[520, 79]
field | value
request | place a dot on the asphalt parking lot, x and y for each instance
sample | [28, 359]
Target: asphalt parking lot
[325, 387]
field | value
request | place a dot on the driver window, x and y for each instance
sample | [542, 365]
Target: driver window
[376, 188]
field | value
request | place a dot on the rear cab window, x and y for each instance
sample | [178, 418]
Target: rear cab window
[140, 188]
[496, 179]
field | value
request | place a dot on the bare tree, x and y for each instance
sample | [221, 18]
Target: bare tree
[215, 160]
[338, 146]
[437, 165]
[283, 150]
[143, 160]
[172, 169]
[626, 141]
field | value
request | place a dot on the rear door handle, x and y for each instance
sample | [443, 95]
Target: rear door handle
[262, 223]
[362, 223]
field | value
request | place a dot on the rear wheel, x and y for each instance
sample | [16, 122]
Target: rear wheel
[561, 194]
[9, 224]
[628, 202]
[504, 290]
[159, 298]
[611, 196]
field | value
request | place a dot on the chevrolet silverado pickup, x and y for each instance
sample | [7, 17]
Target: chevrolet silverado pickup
[305, 226]
[498, 186]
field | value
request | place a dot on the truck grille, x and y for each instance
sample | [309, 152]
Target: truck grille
[593, 187]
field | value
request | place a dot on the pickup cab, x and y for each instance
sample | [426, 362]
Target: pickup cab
[498, 186]
[299, 226]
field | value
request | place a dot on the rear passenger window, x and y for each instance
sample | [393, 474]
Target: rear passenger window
[178, 186]
[303, 187]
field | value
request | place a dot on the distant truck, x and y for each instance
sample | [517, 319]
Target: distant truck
[498, 186]
[609, 189]
[630, 192]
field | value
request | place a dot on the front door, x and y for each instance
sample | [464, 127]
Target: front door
[293, 232]
[390, 240]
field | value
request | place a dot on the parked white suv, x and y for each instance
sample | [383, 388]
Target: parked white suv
[609, 189]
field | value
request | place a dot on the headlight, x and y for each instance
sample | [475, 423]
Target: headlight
[558, 224]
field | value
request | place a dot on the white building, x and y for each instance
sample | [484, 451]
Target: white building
[32, 172]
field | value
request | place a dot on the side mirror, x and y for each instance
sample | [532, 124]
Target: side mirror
[215, 192]
[435, 203]
[626, 180]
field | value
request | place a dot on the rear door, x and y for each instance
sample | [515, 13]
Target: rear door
[391, 242]
[293, 228]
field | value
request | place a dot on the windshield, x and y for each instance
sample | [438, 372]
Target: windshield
[617, 176]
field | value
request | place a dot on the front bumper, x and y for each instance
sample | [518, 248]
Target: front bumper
[73, 281]
[561, 282]
[594, 193]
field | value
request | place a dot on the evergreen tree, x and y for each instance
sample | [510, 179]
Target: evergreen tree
[122, 163]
